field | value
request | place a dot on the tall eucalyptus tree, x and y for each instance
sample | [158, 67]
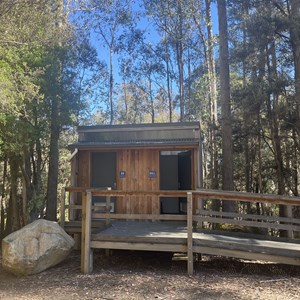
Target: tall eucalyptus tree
[110, 21]
[170, 19]
[227, 148]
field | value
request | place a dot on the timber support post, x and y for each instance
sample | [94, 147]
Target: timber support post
[86, 254]
[290, 232]
[190, 233]
[107, 206]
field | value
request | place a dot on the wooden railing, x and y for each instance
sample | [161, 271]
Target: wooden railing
[68, 207]
[88, 214]
[287, 223]
[195, 213]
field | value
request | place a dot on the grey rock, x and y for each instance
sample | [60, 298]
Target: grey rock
[35, 248]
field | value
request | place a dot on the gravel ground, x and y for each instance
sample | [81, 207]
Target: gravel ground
[146, 275]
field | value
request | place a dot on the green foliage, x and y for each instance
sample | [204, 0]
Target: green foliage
[46, 56]
[34, 51]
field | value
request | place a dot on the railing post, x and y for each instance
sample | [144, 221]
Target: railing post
[63, 208]
[190, 233]
[83, 216]
[107, 210]
[200, 203]
[290, 232]
[86, 264]
[72, 200]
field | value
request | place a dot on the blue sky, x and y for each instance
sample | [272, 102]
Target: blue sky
[151, 34]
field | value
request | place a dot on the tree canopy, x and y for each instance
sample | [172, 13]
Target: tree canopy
[64, 63]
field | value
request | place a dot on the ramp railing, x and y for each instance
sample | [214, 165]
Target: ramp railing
[198, 215]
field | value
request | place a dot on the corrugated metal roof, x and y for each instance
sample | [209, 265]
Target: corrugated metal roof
[139, 135]
[137, 143]
[140, 127]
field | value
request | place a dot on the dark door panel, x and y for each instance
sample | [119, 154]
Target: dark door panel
[185, 176]
[103, 169]
[169, 181]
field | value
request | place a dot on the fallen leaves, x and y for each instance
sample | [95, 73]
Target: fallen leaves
[134, 275]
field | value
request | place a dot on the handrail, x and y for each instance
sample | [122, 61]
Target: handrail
[169, 217]
[248, 197]
[245, 216]
[190, 217]
[208, 194]
[196, 194]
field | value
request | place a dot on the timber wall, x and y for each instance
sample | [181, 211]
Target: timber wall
[136, 163]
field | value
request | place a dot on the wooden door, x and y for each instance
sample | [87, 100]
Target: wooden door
[103, 173]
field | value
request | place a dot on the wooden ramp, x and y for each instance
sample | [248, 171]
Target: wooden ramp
[287, 252]
[176, 233]
[172, 237]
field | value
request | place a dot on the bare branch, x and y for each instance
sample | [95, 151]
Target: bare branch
[12, 42]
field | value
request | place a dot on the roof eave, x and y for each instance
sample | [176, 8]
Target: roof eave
[161, 144]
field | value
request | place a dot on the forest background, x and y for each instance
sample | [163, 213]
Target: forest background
[82, 62]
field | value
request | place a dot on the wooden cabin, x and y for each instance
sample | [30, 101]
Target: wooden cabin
[154, 173]
[162, 156]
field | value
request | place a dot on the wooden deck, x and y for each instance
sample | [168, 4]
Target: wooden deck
[138, 235]
[172, 237]
[176, 233]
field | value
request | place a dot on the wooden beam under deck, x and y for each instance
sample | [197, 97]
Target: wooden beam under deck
[140, 246]
[172, 237]
[247, 255]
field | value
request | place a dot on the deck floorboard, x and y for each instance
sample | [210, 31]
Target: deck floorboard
[175, 233]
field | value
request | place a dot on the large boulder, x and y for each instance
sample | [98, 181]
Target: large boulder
[35, 247]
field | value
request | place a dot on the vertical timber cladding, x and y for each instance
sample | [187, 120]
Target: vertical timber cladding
[83, 169]
[137, 148]
[137, 163]
[83, 172]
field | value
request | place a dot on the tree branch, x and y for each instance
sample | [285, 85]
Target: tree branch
[12, 42]
[279, 7]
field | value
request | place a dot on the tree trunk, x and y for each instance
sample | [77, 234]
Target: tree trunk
[259, 188]
[213, 96]
[189, 83]
[111, 85]
[151, 100]
[170, 102]
[295, 42]
[2, 216]
[13, 215]
[180, 64]
[51, 204]
[208, 48]
[126, 102]
[295, 165]
[167, 62]
[26, 183]
[273, 117]
[227, 148]
[37, 208]
[245, 114]
[51, 197]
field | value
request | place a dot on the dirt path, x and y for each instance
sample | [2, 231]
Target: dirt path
[144, 275]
